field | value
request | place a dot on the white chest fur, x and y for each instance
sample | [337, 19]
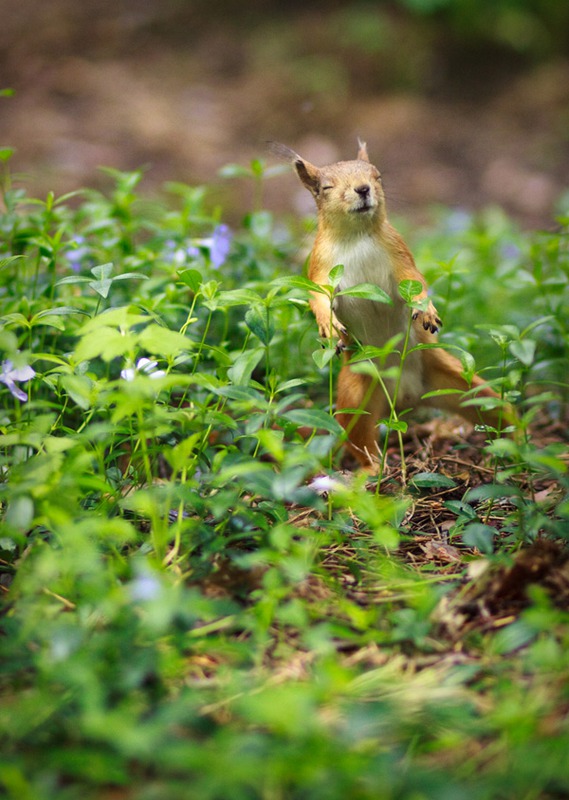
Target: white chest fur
[373, 323]
[366, 261]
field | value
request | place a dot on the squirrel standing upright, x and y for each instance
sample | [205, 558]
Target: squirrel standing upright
[353, 231]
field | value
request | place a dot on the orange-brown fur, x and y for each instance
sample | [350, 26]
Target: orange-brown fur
[353, 230]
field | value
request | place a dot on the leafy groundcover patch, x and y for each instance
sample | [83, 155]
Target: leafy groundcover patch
[197, 600]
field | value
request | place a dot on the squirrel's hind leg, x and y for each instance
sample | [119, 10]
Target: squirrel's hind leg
[444, 371]
[355, 392]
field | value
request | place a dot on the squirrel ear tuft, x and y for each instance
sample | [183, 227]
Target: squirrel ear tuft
[282, 151]
[308, 174]
[362, 152]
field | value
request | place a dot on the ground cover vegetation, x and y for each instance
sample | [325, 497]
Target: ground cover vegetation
[196, 601]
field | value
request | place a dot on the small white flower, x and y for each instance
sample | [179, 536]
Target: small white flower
[324, 484]
[143, 366]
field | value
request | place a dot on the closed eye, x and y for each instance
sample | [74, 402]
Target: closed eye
[326, 188]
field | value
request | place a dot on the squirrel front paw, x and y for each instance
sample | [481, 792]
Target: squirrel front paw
[331, 328]
[431, 320]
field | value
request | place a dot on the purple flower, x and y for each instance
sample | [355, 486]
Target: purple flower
[145, 587]
[458, 221]
[220, 245]
[9, 376]
[510, 250]
[77, 253]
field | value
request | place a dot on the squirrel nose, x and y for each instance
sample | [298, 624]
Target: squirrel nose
[362, 190]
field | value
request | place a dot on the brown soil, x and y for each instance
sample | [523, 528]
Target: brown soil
[170, 86]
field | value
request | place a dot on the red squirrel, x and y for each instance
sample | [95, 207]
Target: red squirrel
[353, 231]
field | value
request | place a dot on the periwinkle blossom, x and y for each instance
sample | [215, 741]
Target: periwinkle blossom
[10, 376]
[143, 366]
[179, 255]
[220, 245]
[458, 221]
[510, 251]
[77, 253]
[145, 587]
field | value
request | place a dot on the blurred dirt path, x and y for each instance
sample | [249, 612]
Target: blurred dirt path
[138, 87]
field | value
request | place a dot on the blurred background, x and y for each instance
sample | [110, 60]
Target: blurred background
[462, 102]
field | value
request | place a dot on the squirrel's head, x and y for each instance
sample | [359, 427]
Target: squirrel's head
[347, 194]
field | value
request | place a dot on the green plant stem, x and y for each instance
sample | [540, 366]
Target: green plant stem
[202, 342]
[144, 447]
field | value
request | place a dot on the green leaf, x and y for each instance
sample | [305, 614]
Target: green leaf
[50, 316]
[103, 271]
[8, 340]
[369, 291]
[259, 323]
[432, 480]
[234, 171]
[192, 278]
[16, 319]
[409, 290]
[261, 224]
[441, 393]
[73, 279]
[124, 276]
[102, 287]
[79, 388]
[257, 167]
[163, 342]
[368, 351]
[51, 320]
[5, 262]
[107, 344]
[20, 513]
[479, 536]
[299, 282]
[524, 351]
[291, 384]
[323, 356]
[242, 394]
[513, 636]
[491, 491]
[460, 508]
[395, 424]
[242, 369]
[335, 275]
[238, 297]
[60, 311]
[122, 317]
[503, 448]
[314, 418]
